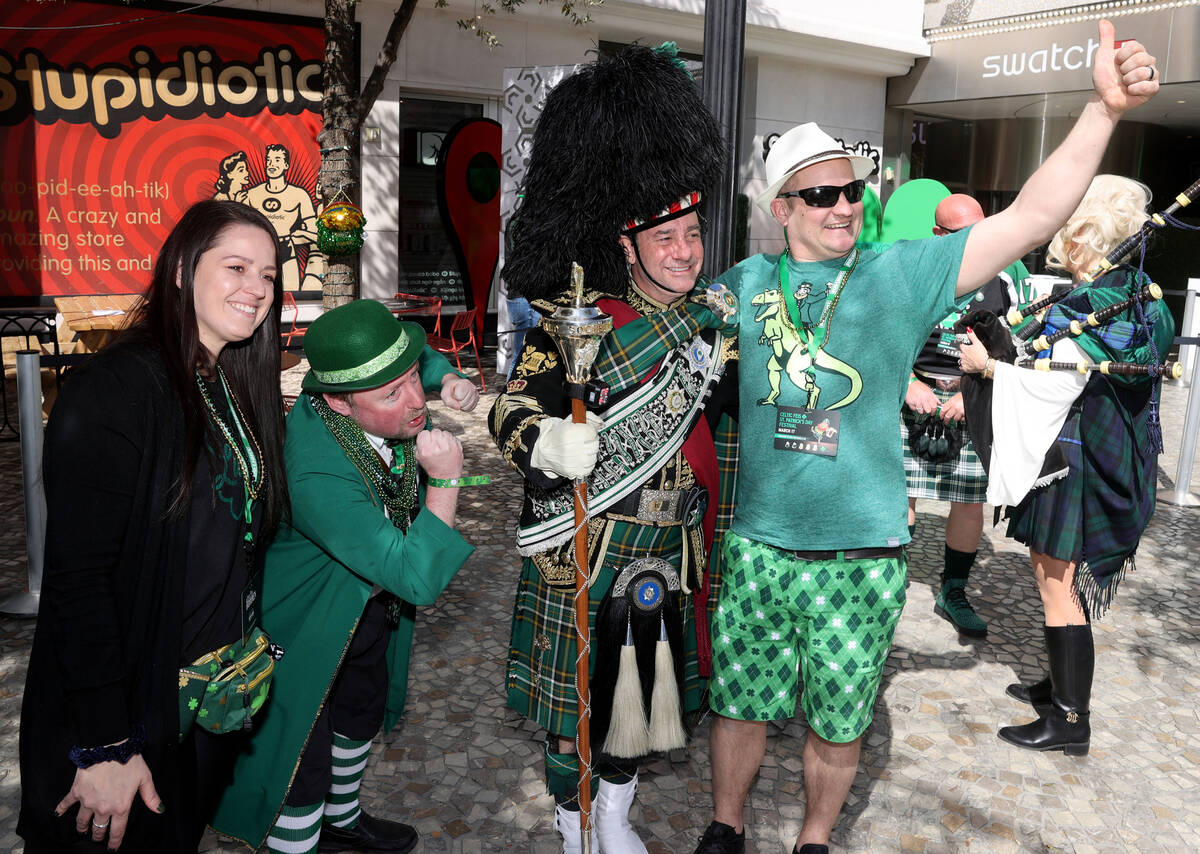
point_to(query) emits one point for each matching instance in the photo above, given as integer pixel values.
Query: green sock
(349, 764)
(562, 777)
(296, 830)
(957, 565)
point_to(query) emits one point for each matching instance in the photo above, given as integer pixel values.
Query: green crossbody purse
(221, 690)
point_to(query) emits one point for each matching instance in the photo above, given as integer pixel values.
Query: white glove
(566, 449)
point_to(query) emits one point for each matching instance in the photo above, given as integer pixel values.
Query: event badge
(807, 431)
(251, 604)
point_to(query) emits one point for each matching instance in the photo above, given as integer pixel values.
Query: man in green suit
(373, 495)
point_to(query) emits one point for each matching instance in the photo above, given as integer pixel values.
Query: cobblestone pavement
(934, 777)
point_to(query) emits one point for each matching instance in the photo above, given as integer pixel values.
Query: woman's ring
(98, 825)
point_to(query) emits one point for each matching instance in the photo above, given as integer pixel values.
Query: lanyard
(815, 335)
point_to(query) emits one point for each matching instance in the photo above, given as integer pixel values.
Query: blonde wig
(1112, 209)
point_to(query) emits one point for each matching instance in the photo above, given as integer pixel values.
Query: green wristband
(455, 482)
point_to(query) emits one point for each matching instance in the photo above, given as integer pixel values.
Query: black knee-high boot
(1065, 727)
(1037, 694)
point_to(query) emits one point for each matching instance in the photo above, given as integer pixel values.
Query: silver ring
(99, 826)
(1151, 77)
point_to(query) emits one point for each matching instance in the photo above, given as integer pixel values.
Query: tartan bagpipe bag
(221, 690)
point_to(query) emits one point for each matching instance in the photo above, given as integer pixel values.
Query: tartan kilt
(1099, 510)
(540, 675)
(962, 479)
(1050, 518)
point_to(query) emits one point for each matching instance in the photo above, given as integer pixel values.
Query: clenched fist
(439, 453)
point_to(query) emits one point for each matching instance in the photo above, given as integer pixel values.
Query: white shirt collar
(380, 444)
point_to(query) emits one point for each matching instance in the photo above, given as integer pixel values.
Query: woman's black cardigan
(106, 648)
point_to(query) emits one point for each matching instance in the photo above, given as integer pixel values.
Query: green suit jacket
(320, 572)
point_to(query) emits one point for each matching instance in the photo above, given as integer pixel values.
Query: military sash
(641, 433)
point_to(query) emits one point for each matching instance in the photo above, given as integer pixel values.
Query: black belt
(847, 554)
(665, 506)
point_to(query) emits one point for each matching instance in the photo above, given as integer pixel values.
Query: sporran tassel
(628, 733)
(666, 727)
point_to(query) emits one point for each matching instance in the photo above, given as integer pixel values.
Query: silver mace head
(577, 330)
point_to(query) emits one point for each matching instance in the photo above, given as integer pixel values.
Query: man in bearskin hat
(622, 155)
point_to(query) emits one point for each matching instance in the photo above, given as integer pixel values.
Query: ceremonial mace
(577, 330)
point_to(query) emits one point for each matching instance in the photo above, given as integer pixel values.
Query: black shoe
(719, 838)
(1065, 726)
(370, 834)
(1036, 695)
(811, 848)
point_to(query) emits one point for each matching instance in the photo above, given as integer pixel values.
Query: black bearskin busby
(620, 139)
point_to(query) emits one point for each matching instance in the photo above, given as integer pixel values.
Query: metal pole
(1187, 450)
(29, 401)
(1187, 352)
(721, 89)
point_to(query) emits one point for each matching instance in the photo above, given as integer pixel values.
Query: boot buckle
(1072, 717)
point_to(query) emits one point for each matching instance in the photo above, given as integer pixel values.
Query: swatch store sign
(1033, 61)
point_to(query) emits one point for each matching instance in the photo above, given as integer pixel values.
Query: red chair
(421, 305)
(464, 322)
(288, 316)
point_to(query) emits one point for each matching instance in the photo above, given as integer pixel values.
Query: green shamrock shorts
(829, 622)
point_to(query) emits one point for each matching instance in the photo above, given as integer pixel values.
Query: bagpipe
(1119, 253)
(1020, 336)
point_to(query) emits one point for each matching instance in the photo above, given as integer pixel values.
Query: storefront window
(427, 264)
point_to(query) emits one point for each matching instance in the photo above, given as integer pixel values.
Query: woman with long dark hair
(164, 480)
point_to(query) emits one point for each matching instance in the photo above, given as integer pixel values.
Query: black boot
(1065, 727)
(1036, 695)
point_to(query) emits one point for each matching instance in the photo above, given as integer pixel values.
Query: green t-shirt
(800, 500)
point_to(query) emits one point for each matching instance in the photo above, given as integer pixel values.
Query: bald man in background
(933, 392)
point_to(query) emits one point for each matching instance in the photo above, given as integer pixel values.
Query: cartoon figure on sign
(824, 430)
(290, 209)
(233, 178)
(789, 350)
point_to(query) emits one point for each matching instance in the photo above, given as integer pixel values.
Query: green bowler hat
(357, 346)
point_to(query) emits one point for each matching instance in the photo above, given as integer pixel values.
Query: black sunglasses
(826, 196)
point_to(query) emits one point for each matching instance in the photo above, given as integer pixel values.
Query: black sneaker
(719, 838)
(370, 834)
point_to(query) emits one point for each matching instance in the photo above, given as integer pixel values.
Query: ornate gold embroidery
(535, 361)
(516, 439)
(557, 566)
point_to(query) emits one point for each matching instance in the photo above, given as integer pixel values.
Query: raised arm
(1123, 78)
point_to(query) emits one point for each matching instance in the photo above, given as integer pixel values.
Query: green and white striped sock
(296, 831)
(349, 763)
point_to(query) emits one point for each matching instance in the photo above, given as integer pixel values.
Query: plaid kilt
(540, 677)
(1097, 513)
(963, 479)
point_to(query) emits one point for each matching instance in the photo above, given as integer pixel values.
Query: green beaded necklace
(399, 493)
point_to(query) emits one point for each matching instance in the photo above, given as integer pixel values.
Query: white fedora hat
(802, 146)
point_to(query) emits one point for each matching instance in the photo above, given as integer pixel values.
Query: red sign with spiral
(115, 118)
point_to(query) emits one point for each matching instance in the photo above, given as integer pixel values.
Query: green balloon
(909, 211)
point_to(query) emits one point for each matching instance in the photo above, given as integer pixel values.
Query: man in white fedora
(813, 571)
